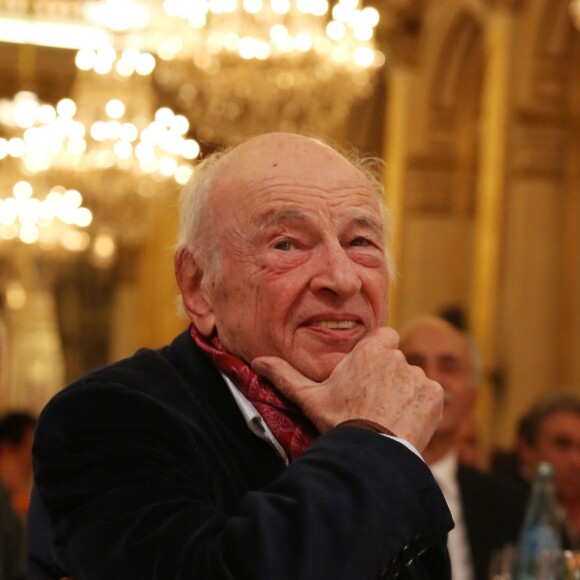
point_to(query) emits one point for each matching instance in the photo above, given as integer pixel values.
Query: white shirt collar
(445, 473)
(254, 420)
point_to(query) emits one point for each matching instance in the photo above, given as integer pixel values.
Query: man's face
(300, 237)
(443, 354)
(558, 443)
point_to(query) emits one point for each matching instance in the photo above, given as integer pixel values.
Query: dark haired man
(550, 431)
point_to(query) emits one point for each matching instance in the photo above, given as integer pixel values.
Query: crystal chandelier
(238, 68)
(106, 143)
(233, 67)
(33, 211)
(51, 220)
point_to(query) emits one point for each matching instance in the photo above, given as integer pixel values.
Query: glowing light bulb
(115, 108)
(22, 190)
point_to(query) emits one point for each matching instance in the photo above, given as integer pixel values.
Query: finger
(385, 335)
(282, 375)
(390, 337)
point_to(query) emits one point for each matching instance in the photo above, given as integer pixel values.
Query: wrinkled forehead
(271, 165)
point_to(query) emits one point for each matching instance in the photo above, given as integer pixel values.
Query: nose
(335, 272)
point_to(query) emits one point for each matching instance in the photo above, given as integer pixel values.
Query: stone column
(568, 366)
(401, 28)
(493, 169)
(396, 143)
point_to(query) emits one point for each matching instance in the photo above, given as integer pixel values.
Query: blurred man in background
(16, 434)
(550, 431)
(487, 512)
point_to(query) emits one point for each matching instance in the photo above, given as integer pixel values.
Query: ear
(189, 273)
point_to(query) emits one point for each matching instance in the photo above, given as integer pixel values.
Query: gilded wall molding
(539, 146)
(433, 186)
(553, 68)
(400, 29)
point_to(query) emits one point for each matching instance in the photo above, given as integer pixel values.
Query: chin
(320, 368)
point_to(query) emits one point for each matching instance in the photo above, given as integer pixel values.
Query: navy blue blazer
(146, 470)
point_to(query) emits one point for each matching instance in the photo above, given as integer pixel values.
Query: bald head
(272, 155)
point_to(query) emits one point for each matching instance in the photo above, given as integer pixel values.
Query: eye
(562, 442)
(360, 242)
(451, 366)
(285, 245)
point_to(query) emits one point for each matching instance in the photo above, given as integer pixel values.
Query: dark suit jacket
(146, 470)
(493, 512)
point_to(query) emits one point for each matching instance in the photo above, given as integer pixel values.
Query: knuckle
(437, 388)
(438, 393)
(397, 357)
(390, 336)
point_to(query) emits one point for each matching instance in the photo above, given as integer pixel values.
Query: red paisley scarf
(288, 424)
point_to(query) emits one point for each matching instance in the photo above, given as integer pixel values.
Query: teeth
(335, 324)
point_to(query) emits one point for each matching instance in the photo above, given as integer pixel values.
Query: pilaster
(491, 194)
(399, 36)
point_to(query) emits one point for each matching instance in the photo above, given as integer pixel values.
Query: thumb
(283, 376)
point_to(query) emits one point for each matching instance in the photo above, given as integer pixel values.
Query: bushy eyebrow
(371, 224)
(274, 217)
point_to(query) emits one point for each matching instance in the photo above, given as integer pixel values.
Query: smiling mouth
(335, 324)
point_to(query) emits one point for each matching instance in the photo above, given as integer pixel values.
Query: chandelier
(53, 219)
(105, 146)
(33, 211)
(235, 68)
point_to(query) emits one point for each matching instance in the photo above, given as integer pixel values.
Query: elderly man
(487, 512)
(273, 439)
